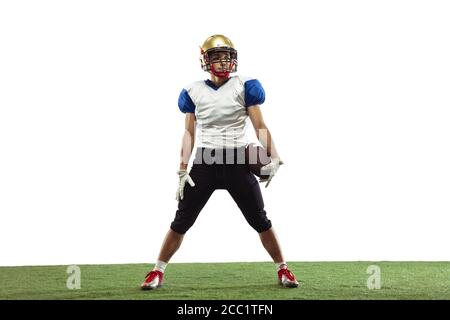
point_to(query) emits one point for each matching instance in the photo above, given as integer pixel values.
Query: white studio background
(357, 101)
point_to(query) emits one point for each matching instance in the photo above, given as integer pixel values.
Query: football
(256, 157)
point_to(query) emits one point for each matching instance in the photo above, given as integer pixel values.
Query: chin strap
(221, 74)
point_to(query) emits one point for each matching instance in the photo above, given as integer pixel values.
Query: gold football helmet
(218, 49)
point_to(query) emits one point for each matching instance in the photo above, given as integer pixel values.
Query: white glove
(184, 176)
(270, 169)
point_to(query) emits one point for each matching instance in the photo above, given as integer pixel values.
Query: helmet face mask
(218, 56)
(223, 58)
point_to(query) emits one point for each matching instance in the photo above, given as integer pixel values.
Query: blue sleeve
(254, 93)
(185, 102)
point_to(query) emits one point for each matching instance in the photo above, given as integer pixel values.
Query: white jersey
(221, 112)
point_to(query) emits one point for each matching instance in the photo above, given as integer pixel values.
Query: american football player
(216, 111)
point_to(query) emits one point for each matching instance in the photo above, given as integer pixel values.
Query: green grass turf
(319, 280)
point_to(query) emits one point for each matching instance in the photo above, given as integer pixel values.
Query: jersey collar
(212, 85)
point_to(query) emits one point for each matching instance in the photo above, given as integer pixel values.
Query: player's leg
(271, 244)
(194, 198)
(189, 208)
(170, 245)
(246, 192)
(244, 189)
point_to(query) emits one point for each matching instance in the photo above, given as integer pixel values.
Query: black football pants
(221, 169)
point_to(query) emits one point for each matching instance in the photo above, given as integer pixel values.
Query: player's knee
(179, 228)
(261, 224)
(182, 225)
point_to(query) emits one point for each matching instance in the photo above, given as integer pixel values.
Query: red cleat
(286, 278)
(153, 280)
